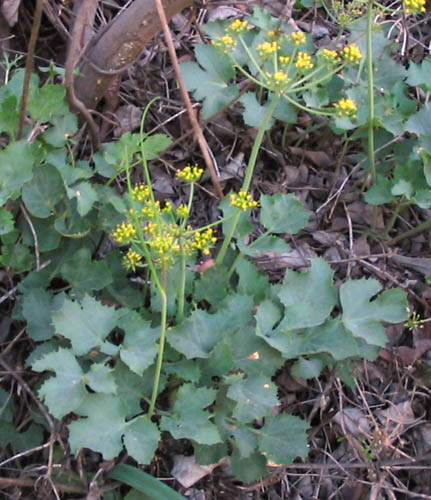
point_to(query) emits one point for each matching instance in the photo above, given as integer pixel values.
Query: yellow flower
(346, 108)
(225, 43)
(298, 38)
(284, 60)
(190, 173)
(204, 240)
(277, 80)
(124, 233)
(141, 192)
(265, 49)
(151, 209)
(303, 61)
(182, 211)
(352, 54)
(243, 200)
(131, 260)
(414, 6)
(238, 27)
(330, 56)
(168, 208)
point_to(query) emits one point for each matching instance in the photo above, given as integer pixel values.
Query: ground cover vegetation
(274, 341)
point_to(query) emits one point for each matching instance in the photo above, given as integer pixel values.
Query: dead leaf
(397, 416)
(129, 118)
(9, 9)
(353, 420)
(187, 472)
(318, 158)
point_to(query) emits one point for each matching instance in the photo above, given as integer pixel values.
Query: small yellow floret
(182, 211)
(204, 240)
(330, 56)
(190, 173)
(265, 49)
(124, 233)
(284, 60)
(414, 6)
(352, 54)
(225, 43)
(243, 200)
(298, 38)
(141, 192)
(238, 27)
(151, 209)
(304, 61)
(346, 108)
(131, 260)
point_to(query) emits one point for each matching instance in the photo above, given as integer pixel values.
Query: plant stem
(370, 74)
(412, 232)
(248, 176)
(182, 288)
(163, 324)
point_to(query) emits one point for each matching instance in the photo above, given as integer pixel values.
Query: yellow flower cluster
(124, 233)
(277, 80)
(204, 241)
(283, 60)
(141, 192)
(330, 56)
(298, 38)
(182, 211)
(151, 209)
(238, 27)
(243, 200)
(414, 6)
(352, 54)
(225, 43)
(346, 108)
(131, 260)
(190, 173)
(266, 49)
(303, 61)
(165, 245)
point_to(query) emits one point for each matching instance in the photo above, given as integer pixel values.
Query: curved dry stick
(118, 45)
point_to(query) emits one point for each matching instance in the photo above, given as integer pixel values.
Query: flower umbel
(303, 61)
(352, 54)
(238, 27)
(141, 192)
(190, 173)
(124, 233)
(131, 260)
(414, 6)
(266, 49)
(204, 240)
(225, 43)
(298, 38)
(330, 56)
(243, 200)
(346, 108)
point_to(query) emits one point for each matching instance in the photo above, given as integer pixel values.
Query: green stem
(248, 176)
(306, 109)
(163, 324)
(412, 232)
(182, 288)
(370, 74)
(240, 255)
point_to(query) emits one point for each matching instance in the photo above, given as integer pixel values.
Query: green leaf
(188, 419)
(85, 324)
(210, 84)
(6, 221)
(266, 244)
(106, 425)
(283, 438)
(251, 281)
(43, 192)
(144, 482)
(16, 168)
(380, 192)
(245, 440)
(426, 159)
(9, 115)
(307, 368)
(419, 74)
(185, 369)
(420, 122)
(20, 441)
(209, 454)
(254, 112)
(219, 363)
(85, 274)
(255, 397)
(155, 144)
(362, 314)
(139, 347)
(63, 127)
(69, 173)
(36, 309)
(285, 112)
(66, 391)
(85, 195)
(100, 379)
(309, 297)
(262, 19)
(47, 102)
(130, 389)
(283, 213)
(248, 469)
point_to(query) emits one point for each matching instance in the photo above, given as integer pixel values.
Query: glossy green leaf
(36, 309)
(6, 221)
(254, 112)
(43, 192)
(16, 168)
(100, 379)
(63, 128)
(48, 101)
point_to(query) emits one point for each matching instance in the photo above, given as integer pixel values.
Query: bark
(118, 45)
